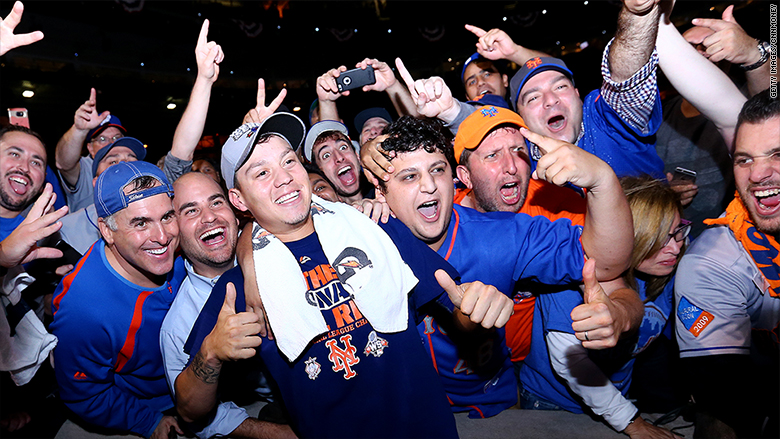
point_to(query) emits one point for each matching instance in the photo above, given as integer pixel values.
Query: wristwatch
(765, 49)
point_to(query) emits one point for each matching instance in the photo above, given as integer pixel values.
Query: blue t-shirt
(8, 225)
(353, 381)
(496, 248)
(553, 313)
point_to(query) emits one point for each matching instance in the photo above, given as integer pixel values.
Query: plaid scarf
(763, 248)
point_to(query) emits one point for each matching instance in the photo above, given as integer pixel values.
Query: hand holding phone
(355, 78)
(18, 116)
(683, 174)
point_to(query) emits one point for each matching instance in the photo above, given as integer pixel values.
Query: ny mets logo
(488, 111)
(312, 368)
(533, 63)
(376, 345)
(343, 359)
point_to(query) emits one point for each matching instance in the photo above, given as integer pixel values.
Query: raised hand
(261, 112)
(20, 246)
(327, 88)
(494, 44)
(385, 77)
(723, 39)
(432, 96)
(483, 304)
(594, 321)
(234, 336)
(208, 55)
(87, 117)
(9, 40)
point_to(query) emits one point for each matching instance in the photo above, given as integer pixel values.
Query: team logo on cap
(247, 129)
(312, 368)
(376, 345)
(533, 63)
(489, 111)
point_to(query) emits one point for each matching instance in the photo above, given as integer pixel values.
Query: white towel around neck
(379, 285)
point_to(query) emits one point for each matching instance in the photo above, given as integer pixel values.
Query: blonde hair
(653, 206)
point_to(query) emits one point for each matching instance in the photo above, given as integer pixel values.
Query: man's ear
(106, 231)
(236, 200)
(577, 90)
(505, 78)
(464, 176)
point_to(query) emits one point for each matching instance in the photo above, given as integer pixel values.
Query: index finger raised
(204, 32)
(405, 75)
(546, 145)
(475, 30)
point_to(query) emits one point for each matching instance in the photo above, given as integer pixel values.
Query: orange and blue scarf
(763, 248)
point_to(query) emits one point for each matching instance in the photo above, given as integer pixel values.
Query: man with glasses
(96, 130)
(727, 289)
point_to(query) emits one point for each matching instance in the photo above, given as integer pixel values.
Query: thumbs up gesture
(594, 321)
(234, 336)
(482, 304)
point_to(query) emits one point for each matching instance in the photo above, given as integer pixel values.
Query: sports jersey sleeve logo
(692, 317)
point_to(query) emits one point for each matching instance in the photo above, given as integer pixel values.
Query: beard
(15, 204)
(490, 200)
(766, 225)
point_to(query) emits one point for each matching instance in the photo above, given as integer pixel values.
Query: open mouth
(18, 184)
(288, 198)
(486, 92)
(556, 123)
(510, 192)
(767, 200)
(214, 236)
(346, 175)
(429, 210)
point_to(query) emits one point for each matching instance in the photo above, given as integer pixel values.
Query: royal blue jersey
(498, 249)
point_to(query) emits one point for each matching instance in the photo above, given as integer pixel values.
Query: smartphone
(355, 78)
(18, 116)
(684, 174)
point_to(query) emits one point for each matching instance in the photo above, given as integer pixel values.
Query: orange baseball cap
(480, 123)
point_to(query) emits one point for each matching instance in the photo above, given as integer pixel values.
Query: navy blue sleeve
(424, 262)
(210, 312)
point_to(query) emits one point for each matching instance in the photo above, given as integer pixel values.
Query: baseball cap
(240, 144)
(479, 123)
(319, 128)
(466, 63)
(134, 144)
(371, 113)
(109, 121)
(110, 197)
(532, 67)
(490, 99)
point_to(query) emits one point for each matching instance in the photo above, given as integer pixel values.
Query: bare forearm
(608, 235)
(630, 310)
(634, 43)
(190, 128)
(402, 100)
(695, 78)
(68, 152)
(523, 54)
(328, 110)
(196, 388)
(253, 428)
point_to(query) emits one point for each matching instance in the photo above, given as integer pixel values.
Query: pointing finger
(204, 33)
(475, 30)
(260, 93)
(406, 76)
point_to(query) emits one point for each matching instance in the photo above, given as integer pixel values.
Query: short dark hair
(408, 134)
(757, 109)
(21, 129)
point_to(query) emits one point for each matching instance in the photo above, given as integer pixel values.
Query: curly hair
(408, 134)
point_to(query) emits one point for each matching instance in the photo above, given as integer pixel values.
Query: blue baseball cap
(134, 144)
(533, 67)
(110, 197)
(109, 121)
(466, 63)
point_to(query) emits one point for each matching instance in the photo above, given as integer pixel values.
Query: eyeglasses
(103, 139)
(680, 233)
